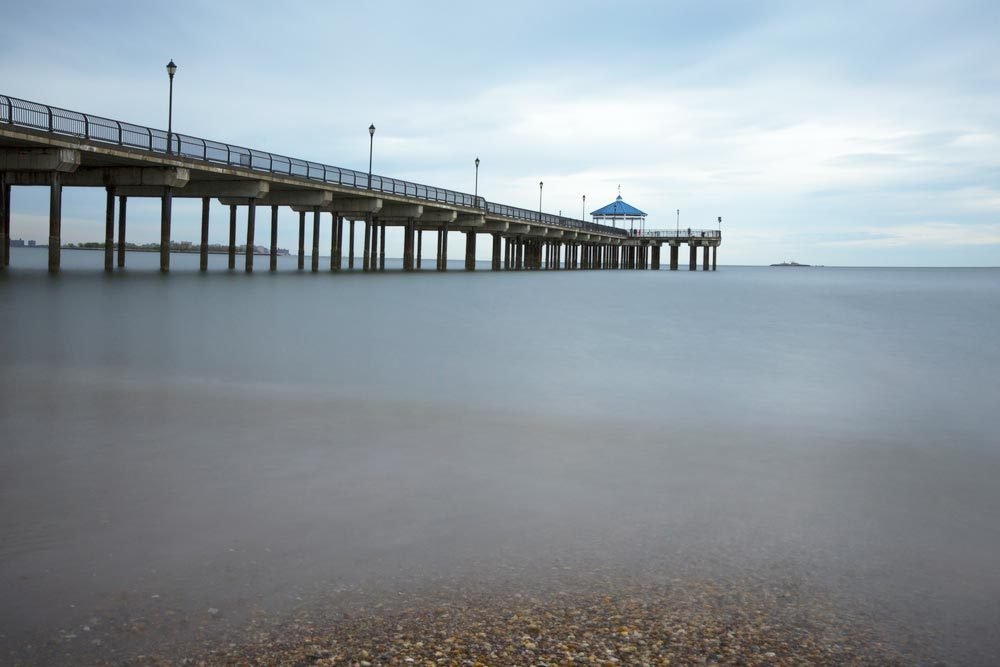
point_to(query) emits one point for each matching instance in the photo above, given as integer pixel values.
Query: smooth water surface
(228, 441)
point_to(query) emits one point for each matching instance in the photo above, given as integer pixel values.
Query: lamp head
(371, 130)
(171, 68)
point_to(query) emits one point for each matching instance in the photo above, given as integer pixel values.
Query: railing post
(49, 109)
(204, 150)
(120, 138)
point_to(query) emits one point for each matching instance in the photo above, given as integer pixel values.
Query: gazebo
(621, 211)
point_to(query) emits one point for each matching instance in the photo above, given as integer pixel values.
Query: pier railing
(677, 234)
(35, 116)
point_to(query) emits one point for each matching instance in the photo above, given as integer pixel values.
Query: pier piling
(166, 204)
(273, 263)
(122, 205)
(251, 223)
(232, 236)
(203, 248)
(55, 221)
(301, 264)
(109, 229)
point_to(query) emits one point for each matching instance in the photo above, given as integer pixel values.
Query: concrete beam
(393, 210)
(39, 159)
(303, 199)
(555, 234)
(495, 226)
(173, 177)
(516, 228)
(347, 206)
(219, 189)
(438, 216)
(470, 220)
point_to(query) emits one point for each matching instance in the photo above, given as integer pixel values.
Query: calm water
(255, 442)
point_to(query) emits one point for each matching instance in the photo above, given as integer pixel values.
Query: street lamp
(678, 223)
(720, 226)
(171, 69)
(371, 144)
(540, 184)
(583, 209)
(477, 182)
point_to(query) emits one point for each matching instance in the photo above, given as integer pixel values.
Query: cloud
(931, 234)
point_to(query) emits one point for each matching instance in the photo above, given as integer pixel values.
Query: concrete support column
(420, 247)
(495, 257)
(122, 205)
(444, 248)
(674, 252)
(656, 258)
(334, 241)
(373, 260)
(232, 236)
(273, 263)
(166, 205)
(381, 247)
(693, 262)
(4, 222)
(314, 264)
(704, 258)
(350, 249)
(408, 245)
(470, 250)
(715, 252)
(109, 230)
(251, 223)
(506, 254)
(55, 221)
(203, 247)
(366, 253)
(302, 241)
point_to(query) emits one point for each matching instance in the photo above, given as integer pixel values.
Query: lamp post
(540, 184)
(371, 144)
(477, 182)
(678, 222)
(583, 209)
(720, 226)
(171, 70)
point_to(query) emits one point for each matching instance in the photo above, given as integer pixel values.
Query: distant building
(17, 243)
(619, 211)
(31, 243)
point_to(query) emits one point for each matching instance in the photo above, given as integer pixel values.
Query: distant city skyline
(849, 135)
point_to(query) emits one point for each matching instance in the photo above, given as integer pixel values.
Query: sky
(851, 134)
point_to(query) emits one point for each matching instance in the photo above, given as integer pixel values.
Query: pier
(44, 146)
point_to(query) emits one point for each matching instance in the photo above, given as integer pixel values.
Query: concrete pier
(301, 264)
(42, 146)
(336, 241)
(109, 229)
(470, 251)
(203, 248)
(314, 260)
(366, 253)
(4, 222)
(381, 247)
(350, 249)
(273, 263)
(166, 207)
(122, 207)
(55, 221)
(232, 236)
(251, 224)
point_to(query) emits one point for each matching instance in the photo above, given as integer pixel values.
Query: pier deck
(45, 146)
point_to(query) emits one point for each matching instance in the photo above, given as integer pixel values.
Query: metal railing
(677, 234)
(35, 116)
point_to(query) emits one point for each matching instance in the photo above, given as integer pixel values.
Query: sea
(182, 454)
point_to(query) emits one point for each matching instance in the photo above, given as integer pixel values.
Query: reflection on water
(245, 443)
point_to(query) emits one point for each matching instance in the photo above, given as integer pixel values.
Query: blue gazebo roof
(619, 207)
